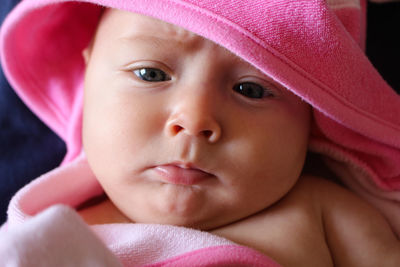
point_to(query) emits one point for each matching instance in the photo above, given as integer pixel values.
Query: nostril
(176, 129)
(207, 133)
(209, 130)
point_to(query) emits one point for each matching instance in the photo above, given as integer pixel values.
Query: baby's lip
(182, 173)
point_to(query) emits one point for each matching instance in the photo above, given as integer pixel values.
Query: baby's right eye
(151, 75)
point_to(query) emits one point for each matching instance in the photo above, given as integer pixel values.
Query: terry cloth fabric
(313, 47)
(38, 241)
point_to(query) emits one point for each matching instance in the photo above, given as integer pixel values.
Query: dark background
(28, 148)
(383, 42)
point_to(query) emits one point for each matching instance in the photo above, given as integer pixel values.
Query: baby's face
(180, 131)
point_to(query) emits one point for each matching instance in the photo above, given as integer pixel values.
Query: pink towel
(313, 47)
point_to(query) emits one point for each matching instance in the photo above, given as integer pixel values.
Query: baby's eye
(251, 90)
(151, 75)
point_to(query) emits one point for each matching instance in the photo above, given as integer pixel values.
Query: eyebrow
(154, 40)
(163, 39)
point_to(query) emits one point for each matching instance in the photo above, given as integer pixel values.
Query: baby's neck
(102, 211)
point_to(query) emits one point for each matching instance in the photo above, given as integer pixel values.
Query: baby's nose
(195, 118)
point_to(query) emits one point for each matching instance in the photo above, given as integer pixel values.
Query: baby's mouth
(182, 174)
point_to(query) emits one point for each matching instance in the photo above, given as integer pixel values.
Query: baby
(180, 131)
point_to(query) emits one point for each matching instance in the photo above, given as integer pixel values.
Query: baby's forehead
(133, 29)
(133, 26)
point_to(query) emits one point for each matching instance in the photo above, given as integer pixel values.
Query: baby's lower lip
(176, 175)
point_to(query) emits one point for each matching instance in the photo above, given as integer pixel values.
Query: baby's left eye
(251, 90)
(151, 75)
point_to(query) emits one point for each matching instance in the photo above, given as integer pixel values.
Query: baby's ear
(86, 54)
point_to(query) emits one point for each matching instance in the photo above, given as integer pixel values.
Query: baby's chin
(194, 219)
(205, 224)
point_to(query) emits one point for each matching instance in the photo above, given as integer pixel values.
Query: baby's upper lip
(184, 165)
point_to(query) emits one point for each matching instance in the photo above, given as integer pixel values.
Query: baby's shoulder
(324, 220)
(356, 233)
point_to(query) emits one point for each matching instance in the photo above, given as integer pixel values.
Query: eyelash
(153, 75)
(156, 75)
(244, 88)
